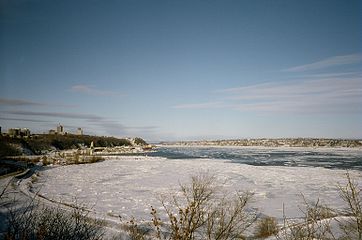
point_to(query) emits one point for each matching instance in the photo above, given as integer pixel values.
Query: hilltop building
(14, 132)
(52, 131)
(60, 129)
(17, 132)
(79, 131)
(25, 132)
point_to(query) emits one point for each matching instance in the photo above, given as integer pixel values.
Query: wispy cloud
(23, 120)
(112, 127)
(109, 126)
(91, 90)
(143, 128)
(95, 122)
(346, 87)
(329, 75)
(338, 94)
(19, 102)
(206, 105)
(326, 63)
(332, 93)
(55, 114)
(22, 102)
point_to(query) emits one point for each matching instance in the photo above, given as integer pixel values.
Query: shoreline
(255, 147)
(273, 142)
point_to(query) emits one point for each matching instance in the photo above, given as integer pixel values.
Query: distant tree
(140, 141)
(7, 150)
(101, 143)
(58, 144)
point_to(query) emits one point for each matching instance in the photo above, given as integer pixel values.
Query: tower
(60, 129)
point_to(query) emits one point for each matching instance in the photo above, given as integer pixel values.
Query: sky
(183, 70)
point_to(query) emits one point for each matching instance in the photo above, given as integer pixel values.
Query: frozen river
(337, 158)
(127, 186)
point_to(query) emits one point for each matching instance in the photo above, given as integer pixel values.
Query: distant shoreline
(263, 147)
(271, 143)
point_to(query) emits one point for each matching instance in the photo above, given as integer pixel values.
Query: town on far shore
(272, 142)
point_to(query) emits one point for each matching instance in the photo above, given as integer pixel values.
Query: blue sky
(171, 70)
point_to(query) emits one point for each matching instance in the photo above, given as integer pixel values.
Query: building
(17, 132)
(79, 131)
(25, 132)
(52, 131)
(60, 129)
(14, 132)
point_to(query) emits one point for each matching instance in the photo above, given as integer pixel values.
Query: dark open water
(300, 157)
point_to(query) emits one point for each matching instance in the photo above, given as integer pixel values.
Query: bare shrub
(34, 222)
(136, 232)
(228, 219)
(352, 195)
(318, 212)
(315, 224)
(200, 213)
(266, 227)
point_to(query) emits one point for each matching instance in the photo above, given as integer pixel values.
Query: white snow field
(129, 185)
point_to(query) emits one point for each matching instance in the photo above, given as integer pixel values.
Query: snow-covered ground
(128, 186)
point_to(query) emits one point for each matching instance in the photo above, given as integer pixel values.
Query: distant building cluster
(25, 132)
(18, 132)
(60, 130)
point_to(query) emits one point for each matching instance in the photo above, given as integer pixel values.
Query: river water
(332, 158)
